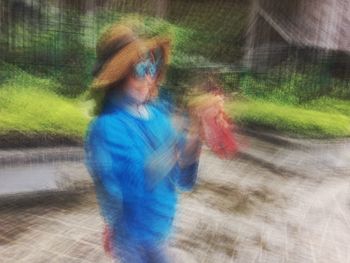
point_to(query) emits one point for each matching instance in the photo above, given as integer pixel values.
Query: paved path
(240, 212)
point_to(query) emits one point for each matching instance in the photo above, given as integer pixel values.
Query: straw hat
(118, 50)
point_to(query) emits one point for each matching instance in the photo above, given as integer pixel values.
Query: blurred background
(287, 57)
(285, 68)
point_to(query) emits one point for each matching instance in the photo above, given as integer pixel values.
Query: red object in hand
(216, 127)
(218, 135)
(106, 239)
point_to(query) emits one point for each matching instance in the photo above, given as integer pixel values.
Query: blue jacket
(137, 200)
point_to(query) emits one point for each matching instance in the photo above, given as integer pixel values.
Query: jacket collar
(116, 102)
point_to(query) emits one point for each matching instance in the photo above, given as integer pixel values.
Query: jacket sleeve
(113, 166)
(185, 177)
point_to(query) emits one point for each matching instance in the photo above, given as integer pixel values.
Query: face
(141, 83)
(140, 89)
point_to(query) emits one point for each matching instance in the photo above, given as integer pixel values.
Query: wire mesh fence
(57, 38)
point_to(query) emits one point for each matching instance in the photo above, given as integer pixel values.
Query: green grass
(14, 76)
(307, 104)
(330, 105)
(31, 105)
(320, 119)
(30, 110)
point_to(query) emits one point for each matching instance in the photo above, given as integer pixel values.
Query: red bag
(218, 135)
(216, 126)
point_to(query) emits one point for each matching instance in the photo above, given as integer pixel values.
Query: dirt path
(243, 213)
(239, 212)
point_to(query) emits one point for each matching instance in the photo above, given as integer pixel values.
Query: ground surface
(239, 212)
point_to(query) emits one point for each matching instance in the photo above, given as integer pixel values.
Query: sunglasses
(150, 65)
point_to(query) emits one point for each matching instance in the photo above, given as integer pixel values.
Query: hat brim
(119, 65)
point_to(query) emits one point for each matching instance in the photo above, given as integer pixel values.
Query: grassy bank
(323, 118)
(34, 116)
(31, 107)
(29, 111)
(36, 111)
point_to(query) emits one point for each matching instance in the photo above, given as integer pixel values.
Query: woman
(136, 157)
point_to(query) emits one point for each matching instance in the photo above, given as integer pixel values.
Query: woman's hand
(204, 109)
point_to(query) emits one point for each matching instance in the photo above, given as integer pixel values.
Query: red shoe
(106, 240)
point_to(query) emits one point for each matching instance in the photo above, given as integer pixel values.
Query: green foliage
(293, 86)
(30, 104)
(32, 110)
(13, 76)
(57, 50)
(218, 29)
(309, 122)
(340, 88)
(331, 105)
(74, 77)
(230, 81)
